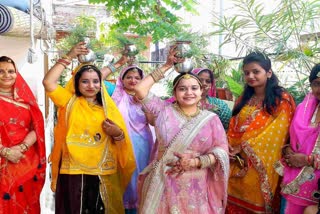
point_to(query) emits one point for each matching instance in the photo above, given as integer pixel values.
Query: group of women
(206, 159)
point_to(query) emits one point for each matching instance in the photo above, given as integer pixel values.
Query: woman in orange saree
(258, 129)
(22, 147)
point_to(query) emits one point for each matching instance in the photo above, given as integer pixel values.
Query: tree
(148, 17)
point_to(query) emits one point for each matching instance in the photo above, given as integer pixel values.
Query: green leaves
(147, 17)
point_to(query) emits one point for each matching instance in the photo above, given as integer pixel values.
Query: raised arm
(143, 87)
(112, 67)
(50, 81)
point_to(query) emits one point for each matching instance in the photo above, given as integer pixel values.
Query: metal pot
(131, 50)
(185, 66)
(90, 57)
(183, 49)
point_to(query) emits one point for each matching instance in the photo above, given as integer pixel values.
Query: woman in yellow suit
(92, 158)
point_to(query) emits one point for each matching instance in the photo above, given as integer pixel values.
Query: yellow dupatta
(113, 184)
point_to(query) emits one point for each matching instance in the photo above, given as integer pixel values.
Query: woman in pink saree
(300, 165)
(191, 168)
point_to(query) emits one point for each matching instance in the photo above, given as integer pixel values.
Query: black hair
(313, 74)
(9, 60)
(273, 92)
(77, 79)
(208, 72)
(138, 69)
(179, 77)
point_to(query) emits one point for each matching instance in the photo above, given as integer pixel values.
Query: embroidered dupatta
(299, 184)
(261, 137)
(113, 183)
(155, 176)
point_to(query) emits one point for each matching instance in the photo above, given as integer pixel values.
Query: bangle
(66, 57)
(205, 161)
(157, 75)
(24, 147)
(60, 63)
(7, 152)
(112, 67)
(66, 62)
(120, 137)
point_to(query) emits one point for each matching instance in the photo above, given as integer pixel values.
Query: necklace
(188, 116)
(255, 101)
(5, 93)
(132, 93)
(92, 104)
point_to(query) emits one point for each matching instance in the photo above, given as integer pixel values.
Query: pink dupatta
(300, 183)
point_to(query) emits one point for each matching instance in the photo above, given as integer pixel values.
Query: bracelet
(120, 137)
(24, 147)
(7, 152)
(157, 75)
(66, 57)
(205, 161)
(60, 63)
(112, 67)
(66, 62)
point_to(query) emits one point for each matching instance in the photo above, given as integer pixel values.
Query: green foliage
(117, 39)
(147, 17)
(84, 26)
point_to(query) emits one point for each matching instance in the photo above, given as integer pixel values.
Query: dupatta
(23, 171)
(155, 172)
(123, 150)
(261, 137)
(299, 183)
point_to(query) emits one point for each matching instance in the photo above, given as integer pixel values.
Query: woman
(301, 163)
(257, 131)
(191, 168)
(137, 118)
(22, 147)
(208, 100)
(92, 158)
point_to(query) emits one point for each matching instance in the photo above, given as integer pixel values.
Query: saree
(261, 137)
(195, 191)
(139, 132)
(299, 184)
(82, 147)
(21, 183)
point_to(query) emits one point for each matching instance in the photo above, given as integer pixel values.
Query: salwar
(78, 194)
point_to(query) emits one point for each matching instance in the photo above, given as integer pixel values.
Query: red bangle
(64, 61)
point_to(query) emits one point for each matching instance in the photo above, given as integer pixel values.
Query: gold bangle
(120, 137)
(205, 161)
(66, 57)
(7, 153)
(24, 147)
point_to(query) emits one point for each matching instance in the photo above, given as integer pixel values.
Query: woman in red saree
(22, 147)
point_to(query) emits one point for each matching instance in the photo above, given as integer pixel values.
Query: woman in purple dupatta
(301, 163)
(136, 117)
(191, 167)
